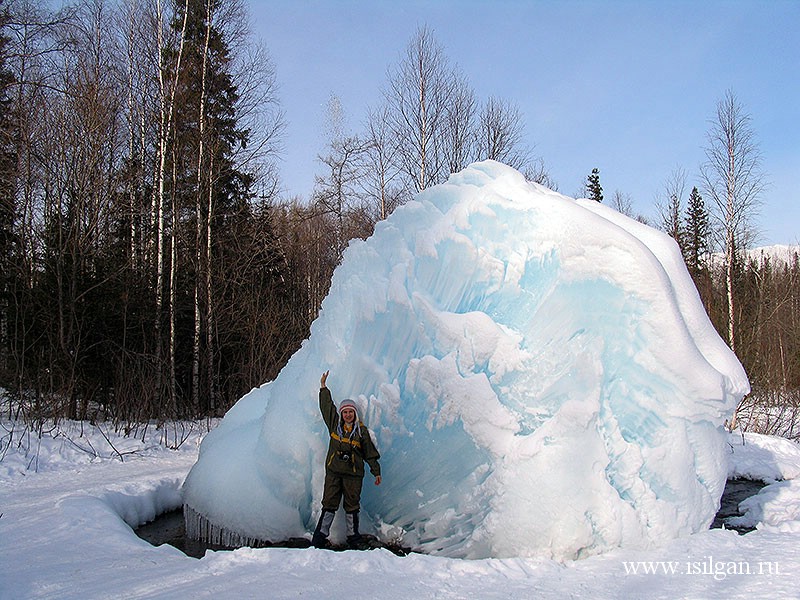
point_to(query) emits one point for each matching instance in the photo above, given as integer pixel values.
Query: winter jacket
(347, 452)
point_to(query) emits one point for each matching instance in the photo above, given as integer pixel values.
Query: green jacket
(347, 454)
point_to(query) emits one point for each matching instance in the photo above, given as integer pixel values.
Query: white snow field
(539, 372)
(65, 533)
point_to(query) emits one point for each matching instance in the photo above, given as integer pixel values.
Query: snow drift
(539, 373)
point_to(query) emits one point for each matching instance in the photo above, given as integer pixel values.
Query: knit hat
(347, 403)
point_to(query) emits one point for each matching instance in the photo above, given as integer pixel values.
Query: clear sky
(625, 86)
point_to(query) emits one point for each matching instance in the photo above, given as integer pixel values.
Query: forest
(151, 268)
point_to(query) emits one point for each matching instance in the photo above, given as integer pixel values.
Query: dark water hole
(736, 490)
(168, 528)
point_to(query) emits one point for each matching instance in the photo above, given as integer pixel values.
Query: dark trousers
(337, 486)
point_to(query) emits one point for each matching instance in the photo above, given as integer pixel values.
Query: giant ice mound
(539, 373)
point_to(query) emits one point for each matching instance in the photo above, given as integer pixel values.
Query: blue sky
(625, 86)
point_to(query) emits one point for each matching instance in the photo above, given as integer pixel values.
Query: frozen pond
(169, 527)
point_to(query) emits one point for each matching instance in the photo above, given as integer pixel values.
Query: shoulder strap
(353, 442)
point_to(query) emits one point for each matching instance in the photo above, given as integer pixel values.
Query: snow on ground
(65, 532)
(763, 457)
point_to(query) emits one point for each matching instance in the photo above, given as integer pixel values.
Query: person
(350, 446)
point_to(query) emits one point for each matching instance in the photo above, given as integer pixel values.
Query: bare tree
(438, 127)
(140, 56)
(537, 172)
(337, 192)
(622, 203)
(167, 87)
(769, 344)
(733, 179)
(380, 171)
(258, 107)
(417, 95)
(458, 138)
(501, 135)
(79, 157)
(8, 208)
(669, 204)
(202, 165)
(229, 85)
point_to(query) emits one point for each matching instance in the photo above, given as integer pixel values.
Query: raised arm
(326, 405)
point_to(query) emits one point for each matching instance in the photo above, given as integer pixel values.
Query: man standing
(349, 448)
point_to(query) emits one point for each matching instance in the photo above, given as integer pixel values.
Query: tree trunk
(198, 216)
(210, 322)
(167, 107)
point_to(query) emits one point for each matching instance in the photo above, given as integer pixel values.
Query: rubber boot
(323, 530)
(353, 536)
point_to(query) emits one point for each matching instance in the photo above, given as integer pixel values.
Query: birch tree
(670, 205)
(167, 86)
(418, 92)
(733, 180)
(199, 201)
(622, 203)
(336, 192)
(380, 171)
(501, 134)
(459, 131)
(8, 208)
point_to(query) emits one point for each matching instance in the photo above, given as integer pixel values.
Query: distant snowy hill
(778, 253)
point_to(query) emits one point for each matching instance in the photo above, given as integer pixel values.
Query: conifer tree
(210, 184)
(593, 187)
(695, 233)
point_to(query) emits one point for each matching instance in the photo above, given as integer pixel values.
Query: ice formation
(539, 373)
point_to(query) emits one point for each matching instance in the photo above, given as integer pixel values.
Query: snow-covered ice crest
(538, 371)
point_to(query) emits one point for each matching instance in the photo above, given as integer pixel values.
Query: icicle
(200, 528)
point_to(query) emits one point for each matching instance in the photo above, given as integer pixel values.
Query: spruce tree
(695, 233)
(593, 187)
